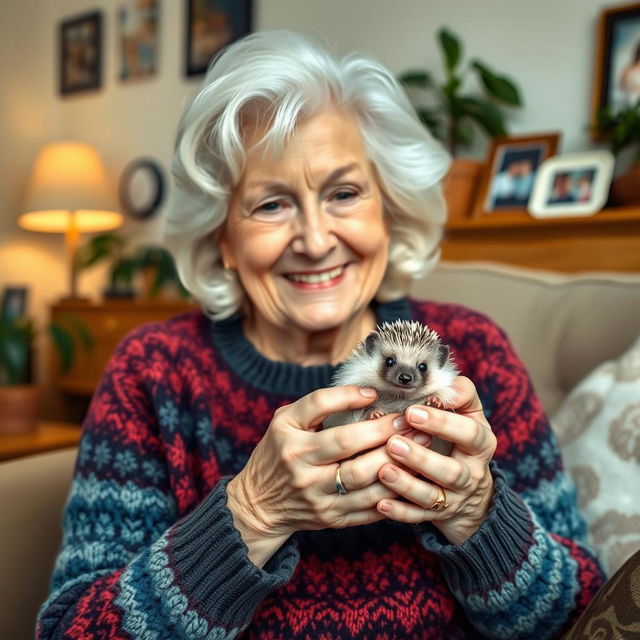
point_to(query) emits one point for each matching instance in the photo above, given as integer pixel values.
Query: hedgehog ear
(370, 343)
(443, 354)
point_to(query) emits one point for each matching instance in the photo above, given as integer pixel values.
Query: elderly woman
(205, 502)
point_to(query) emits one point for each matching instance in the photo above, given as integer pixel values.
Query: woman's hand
(464, 474)
(289, 481)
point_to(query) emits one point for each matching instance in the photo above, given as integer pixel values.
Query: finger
(416, 490)
(340, 443)
(312, 409)
(362, 470)
(468, 434)
(467, 400)
(442, 470)
(406, 512)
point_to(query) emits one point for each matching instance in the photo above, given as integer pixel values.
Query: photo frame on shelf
(80, 44)
(617, 64)
(138, 42)
(211, 25)
(14, 303)
(509, 175)
(572, 185)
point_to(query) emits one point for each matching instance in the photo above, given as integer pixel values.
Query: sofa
(563, 327)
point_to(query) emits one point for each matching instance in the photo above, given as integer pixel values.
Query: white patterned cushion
(598, 428)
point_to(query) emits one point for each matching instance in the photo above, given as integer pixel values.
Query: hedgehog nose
(405, 378)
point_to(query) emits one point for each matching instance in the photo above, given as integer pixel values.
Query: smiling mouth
(318, 277)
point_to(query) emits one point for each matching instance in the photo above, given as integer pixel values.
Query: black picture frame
(14, 303)
(618, 46)
(136, 205)
(80, 60)
(210, 26)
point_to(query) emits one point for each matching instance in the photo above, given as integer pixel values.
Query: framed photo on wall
(572, 184)
(81, 53)
(510, 172)
(617, 66)
(211, 25)
(14, 303)
(138, 39)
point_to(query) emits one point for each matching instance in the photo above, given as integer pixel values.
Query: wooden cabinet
(606, 241)
(108, 322)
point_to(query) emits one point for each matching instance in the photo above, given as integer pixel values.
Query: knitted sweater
(149, 548)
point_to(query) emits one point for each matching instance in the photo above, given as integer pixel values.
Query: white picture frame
(572, 184)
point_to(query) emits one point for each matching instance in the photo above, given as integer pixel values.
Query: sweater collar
(284, 378)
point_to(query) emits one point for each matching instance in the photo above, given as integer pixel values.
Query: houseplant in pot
(454, 115)
(20, 399)
(151, 264)
(622, 129)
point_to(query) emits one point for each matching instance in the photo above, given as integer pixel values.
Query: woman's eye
(269, 207)
(343, 195)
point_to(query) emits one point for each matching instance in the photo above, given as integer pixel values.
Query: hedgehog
(406, 363)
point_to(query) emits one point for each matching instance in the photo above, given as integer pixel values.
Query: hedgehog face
(403, 375)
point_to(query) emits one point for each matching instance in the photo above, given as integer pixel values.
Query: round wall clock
(141, 188)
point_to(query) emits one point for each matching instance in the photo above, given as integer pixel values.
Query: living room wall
(548, 47)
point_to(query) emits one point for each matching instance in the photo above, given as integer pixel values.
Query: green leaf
(499, 87)
(122, 272)
(15, 345)
(485, 114)
(64, 344)
(451, 48)
(78, 329)
(418, 79)
(429, 117)
(99, 248)
(463, 133)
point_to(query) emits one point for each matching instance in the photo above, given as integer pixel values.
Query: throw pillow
(598, 429)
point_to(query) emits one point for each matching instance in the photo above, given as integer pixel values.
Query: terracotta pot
(460, 187)
(19, 408)
(625, 189)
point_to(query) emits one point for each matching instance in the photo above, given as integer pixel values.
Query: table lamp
(69, 192)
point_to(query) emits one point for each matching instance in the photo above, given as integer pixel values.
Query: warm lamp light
(69, 192)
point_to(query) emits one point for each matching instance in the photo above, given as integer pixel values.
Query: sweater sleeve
(527, 572)
(129, 565)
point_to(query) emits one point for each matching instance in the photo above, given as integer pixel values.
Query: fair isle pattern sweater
(150, 551)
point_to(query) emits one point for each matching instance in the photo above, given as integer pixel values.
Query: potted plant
(152, 263)
(453, 115)
(20, 399)
(622, 128)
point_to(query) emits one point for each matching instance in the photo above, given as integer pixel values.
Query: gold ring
(341, 489)
(441, 501)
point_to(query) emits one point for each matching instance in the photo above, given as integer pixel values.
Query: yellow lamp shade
(69, 187)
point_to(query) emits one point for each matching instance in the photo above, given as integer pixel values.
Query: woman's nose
(314, 236)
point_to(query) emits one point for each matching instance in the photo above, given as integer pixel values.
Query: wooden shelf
(606, 241)
(47, 437)
(108, 322)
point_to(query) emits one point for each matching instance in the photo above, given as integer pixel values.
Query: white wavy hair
(284, 77)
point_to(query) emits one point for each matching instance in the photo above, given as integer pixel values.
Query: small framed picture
(617, 67)
(81, 53)
(211, 25)
(572, 184)
(510, 172)
(14, 303)
(138, 39)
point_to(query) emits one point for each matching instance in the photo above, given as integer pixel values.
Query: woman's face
(306, 231)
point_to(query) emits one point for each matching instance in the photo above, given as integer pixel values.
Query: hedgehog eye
(422, 367)
(389, 362)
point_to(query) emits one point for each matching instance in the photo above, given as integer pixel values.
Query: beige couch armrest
(33, 491)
